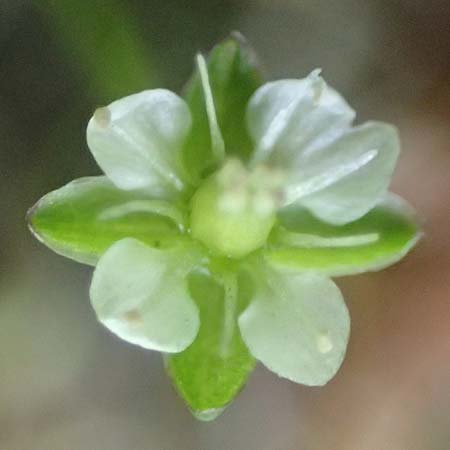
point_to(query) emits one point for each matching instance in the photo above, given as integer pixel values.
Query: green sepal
(208, 374)
(85, 217)
(234, 77)
(380, 238)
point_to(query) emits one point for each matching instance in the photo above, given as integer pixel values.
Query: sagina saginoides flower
(222, 216)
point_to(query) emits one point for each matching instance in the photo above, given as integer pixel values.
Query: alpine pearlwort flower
(221, 218)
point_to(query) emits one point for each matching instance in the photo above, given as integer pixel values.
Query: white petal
(343, 181)
(302, 126)
(141, 295)
(287, 117)
(136, 140)
(297, 326)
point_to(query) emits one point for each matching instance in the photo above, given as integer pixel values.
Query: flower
(221, 218)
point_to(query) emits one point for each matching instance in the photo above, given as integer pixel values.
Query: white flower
(305, 152)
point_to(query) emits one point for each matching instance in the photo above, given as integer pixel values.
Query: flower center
(233, 211)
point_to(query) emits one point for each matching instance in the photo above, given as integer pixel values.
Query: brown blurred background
(65, 382)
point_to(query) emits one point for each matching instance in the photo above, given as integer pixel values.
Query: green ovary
(227, 221)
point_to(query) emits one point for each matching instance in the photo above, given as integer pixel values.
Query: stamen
(233, 174)
(318, 84)
(257, 189)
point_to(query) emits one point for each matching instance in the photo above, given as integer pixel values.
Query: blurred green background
(65, 382)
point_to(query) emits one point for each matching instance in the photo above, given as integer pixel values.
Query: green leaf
(233, 77)
(85, 217)
(380, 238)
(212, 371)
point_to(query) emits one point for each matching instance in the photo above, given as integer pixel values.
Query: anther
(133, 317)
(318, 84)
(324, 343)
(102, 117)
